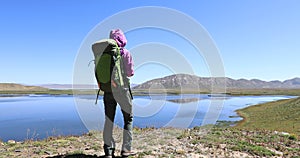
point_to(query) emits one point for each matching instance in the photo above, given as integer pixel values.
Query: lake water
(40, 116)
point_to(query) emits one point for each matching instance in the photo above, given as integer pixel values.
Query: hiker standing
(116, 93)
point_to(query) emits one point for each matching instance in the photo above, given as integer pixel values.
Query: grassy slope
(283, 115)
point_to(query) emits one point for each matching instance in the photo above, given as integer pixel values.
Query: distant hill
(185, 81)
(68, 86)
(19, 87)
(71, 86)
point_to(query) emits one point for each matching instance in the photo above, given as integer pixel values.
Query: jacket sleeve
(128, 63)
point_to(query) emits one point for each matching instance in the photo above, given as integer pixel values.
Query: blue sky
(256, 39)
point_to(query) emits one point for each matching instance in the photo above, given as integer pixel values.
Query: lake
(41, 116)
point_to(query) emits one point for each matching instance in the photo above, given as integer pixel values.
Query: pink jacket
(120, 38)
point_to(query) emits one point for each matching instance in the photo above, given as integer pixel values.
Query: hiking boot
(109, 151)
(127, 153)
(109, 156)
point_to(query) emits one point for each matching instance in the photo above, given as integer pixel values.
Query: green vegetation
(207, 141)
(48, 91)
(259, 143)
(294, 92)
(282, 115)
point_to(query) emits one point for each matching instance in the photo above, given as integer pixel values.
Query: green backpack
(108, 65)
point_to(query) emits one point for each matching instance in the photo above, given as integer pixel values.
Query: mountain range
(20, 87)
(177, 81)
(185, 81)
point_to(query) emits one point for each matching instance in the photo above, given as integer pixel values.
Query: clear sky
(39, 40)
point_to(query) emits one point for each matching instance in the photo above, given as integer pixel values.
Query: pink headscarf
(119, 37)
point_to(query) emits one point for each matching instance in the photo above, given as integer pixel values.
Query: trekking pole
(97, 96)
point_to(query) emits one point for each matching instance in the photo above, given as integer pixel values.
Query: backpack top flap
(105, 45)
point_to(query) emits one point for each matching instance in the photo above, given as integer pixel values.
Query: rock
(192, 155)
(222, 146)
(282, 133)
(11, 142)
(179, 151)
(18, 150)
(285, 133)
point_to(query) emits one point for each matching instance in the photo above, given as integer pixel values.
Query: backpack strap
(97, 96)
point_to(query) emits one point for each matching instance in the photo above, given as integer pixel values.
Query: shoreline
(272, 115)
(232, 92)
